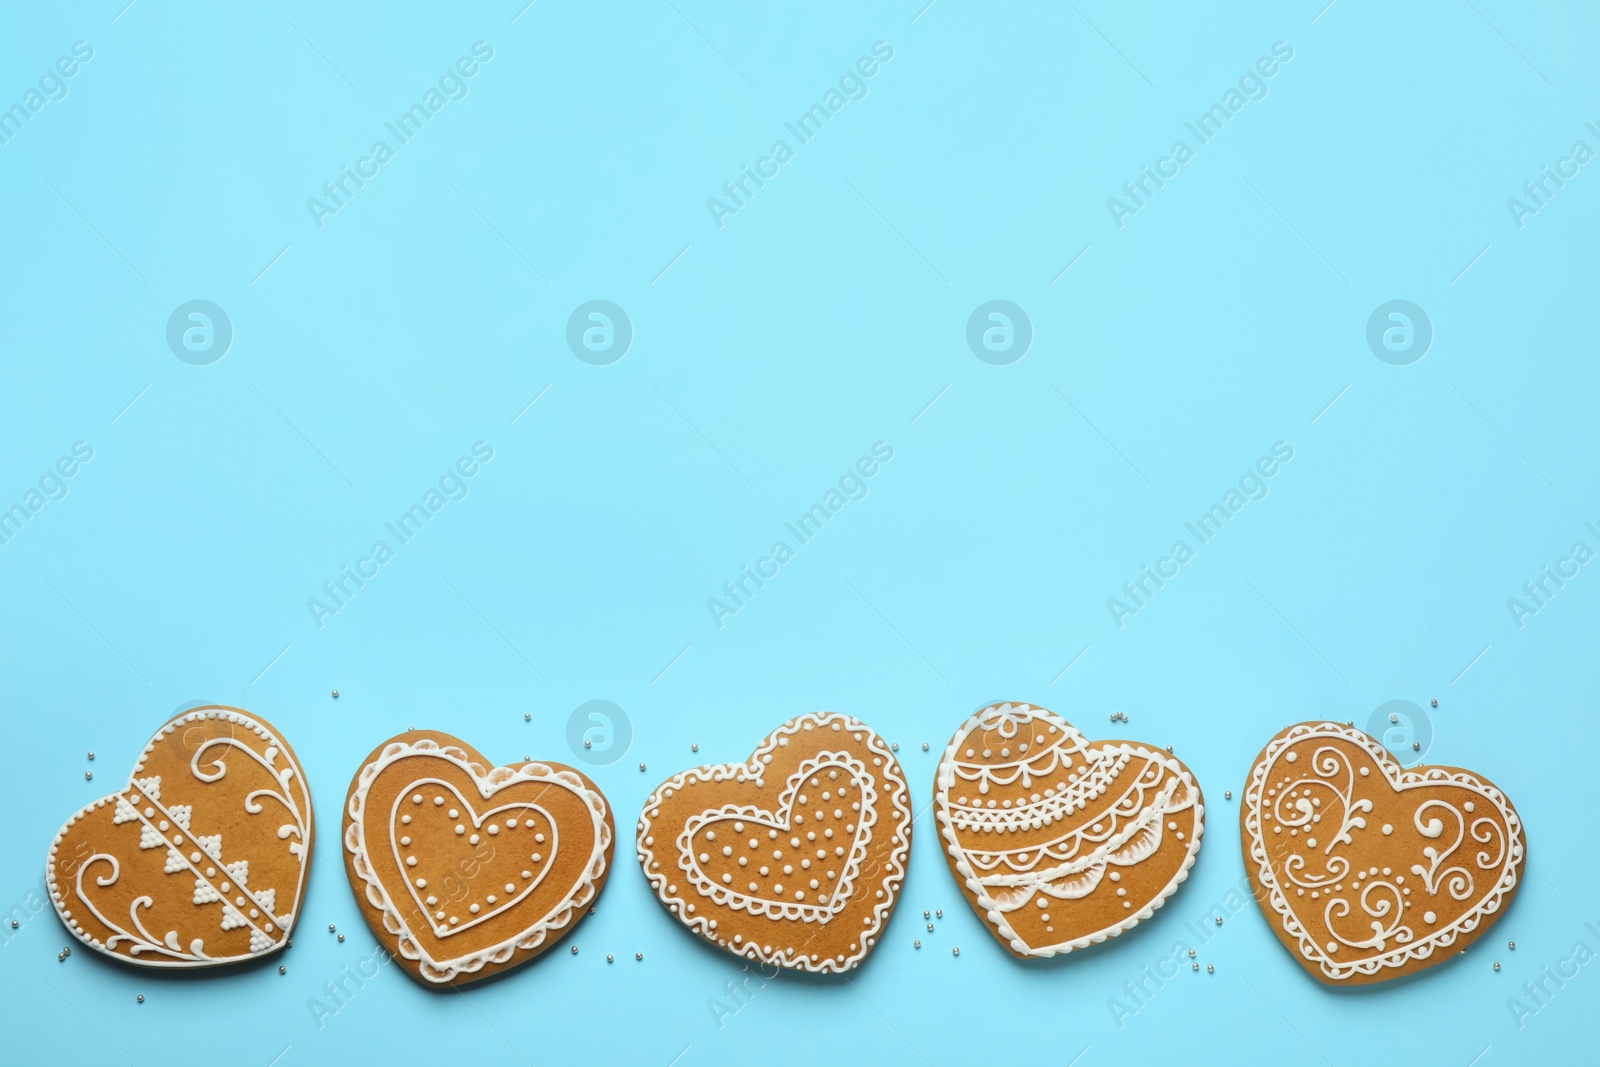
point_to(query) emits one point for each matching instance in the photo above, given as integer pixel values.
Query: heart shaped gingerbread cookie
(794, 858)
(1366, 871)
(201, 859)
(464, 871)
(1059, 842)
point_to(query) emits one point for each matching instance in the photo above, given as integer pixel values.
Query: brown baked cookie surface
(1367, 871)
(794, 858)
(201, 859)
(464, 870)
(1058, 842)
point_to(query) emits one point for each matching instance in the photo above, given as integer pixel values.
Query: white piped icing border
(489, 783)
(1077, 743)
(1400, 780)
(888, 775)
(167, 952)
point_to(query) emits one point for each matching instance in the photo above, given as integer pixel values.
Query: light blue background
(825, 316)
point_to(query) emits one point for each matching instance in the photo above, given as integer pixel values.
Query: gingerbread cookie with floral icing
(1058, 842)
(464, 870)
(1367, 871)
(201, 858)
(793, 858)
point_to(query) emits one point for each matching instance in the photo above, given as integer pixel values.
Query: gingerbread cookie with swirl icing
(464, 870)
(794, 857)
(1366, 871)
(1058, 842)
(200, 859)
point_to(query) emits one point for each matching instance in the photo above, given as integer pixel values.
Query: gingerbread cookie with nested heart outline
(1367, 871)
(1059, 842)
(463, 870)
(201, 859)
(794, 858)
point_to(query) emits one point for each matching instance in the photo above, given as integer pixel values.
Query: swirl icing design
(1058, 842)
(200, 860)
(1369, 871)
(794, 858)
(464, 871)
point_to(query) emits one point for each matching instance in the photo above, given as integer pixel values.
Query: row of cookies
(794, 857)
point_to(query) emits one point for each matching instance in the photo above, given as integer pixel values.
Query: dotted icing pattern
(809, 861)
(165, 824)
(1386, 901)
(1032, 813)
(571, 906)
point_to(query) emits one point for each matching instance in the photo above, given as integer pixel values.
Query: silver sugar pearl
(336, 694)
(1509, 944)
(1191, 954)
(1194, 966)
(1416, 746)
(1227, 794)
(638, 955)
(526, 717)
(139, 998)
(930, 928)
(341, 938)
(574, 950)
(330, 928)
(894, 746)
(1219, 920)
(924, 746)
(916, 944)
(955, 952)
(87, 775)
(641, 766)
(1211, 968)
(586, 742)
(1433, 703)
(938, 913)
(1497, 965)
(13, 924)
(694, 746)
(91, 757)
(927, 914)
(282, 969)
(610, 958)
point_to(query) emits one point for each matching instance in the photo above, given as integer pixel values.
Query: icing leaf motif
(211, 846)
(124, 812)
(240, 871)
(175, 862)
(181, 814)
(151, 786)
(205, 892)
(231, 918)
(150, 837)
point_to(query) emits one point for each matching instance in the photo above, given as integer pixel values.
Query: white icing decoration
(572, 905)
(1133, 788)
(1380, 931)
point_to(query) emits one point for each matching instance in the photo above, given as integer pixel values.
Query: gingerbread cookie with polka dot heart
(201, 858)
(464, 870)
(793, 858)
(1058, 842)
(1367, 871)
